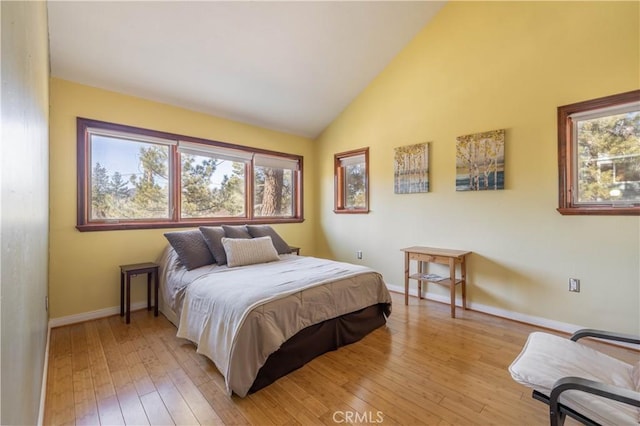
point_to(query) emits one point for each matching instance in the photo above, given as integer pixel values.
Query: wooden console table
(425, 255)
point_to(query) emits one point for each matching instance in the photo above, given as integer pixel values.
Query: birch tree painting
(480, 161)
(411, 169)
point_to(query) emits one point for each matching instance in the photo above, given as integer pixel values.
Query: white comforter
(239, 316)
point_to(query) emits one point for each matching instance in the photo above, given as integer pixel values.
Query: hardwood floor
(422, 368)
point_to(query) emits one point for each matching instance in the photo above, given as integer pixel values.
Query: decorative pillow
(212, 237)
(267, 231)
(238, 231)
(190, 247)
(635, 377)
(243, 251)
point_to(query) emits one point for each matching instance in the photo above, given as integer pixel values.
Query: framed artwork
(480, 161)
(411, 169)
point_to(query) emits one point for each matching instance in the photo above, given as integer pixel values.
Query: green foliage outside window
(131, 178)
(273, 192)
(143, 196)
(202, 196)
(609, 158)
(355, 189)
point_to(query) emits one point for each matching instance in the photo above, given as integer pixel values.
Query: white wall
(24, 208)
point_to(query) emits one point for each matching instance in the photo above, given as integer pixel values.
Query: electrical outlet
(574, 285)
(359, 254)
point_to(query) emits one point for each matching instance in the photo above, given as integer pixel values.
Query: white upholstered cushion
(248, 251)
(547, 358)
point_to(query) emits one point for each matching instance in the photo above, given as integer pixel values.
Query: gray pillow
(191, 248)
(212, 237)
(267, 231)
(238, 231)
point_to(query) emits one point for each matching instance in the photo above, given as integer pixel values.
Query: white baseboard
(87, 316)
(503, 313)
(516, 316)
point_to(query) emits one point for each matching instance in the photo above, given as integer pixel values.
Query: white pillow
(245, 251)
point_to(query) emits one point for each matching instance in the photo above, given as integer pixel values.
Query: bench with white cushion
(579, 381)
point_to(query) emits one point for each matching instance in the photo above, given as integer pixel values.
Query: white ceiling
(288, 66)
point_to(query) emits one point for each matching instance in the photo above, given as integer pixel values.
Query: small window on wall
(352, 181)
(599, 156)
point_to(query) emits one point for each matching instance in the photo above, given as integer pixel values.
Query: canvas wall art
(411, 169)
(480, 161)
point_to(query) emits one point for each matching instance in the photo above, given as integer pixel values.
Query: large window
(352, 181)
(599, 156)
(137, 178)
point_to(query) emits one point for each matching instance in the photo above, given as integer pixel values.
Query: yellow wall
(481, 66)
(84, 273)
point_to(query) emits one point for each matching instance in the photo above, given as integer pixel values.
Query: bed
(259, 322)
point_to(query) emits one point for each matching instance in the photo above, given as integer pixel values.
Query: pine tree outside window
(131, 190)
(351, 175)
(213, 181)
(599, 156)
(132, 178)
(274, 186)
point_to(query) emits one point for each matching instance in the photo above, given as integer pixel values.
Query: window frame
(84, 222)
(338, 180)
(567, 157)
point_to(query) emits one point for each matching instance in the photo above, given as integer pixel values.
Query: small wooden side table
(425, 255)
(128, 271)
(295, 250)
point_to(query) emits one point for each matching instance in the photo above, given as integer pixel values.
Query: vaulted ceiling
(287, 66)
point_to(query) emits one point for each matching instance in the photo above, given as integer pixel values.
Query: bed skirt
(318, 339)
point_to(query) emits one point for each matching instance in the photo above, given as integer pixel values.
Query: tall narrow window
(599, 156)
(352, 181)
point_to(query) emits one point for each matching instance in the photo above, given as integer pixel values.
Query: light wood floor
(422, 368)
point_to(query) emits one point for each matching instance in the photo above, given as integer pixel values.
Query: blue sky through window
(123, 156)
(119, 155)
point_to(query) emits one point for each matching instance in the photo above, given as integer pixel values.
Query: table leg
(463, 274)
(421, 270)
(156, 285)
(128, 285)
(452, 277)
(406, 278)
(149, 291)
(121, 294)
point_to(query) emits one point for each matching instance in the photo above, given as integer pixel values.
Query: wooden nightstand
(295, 250)
(128, 271)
